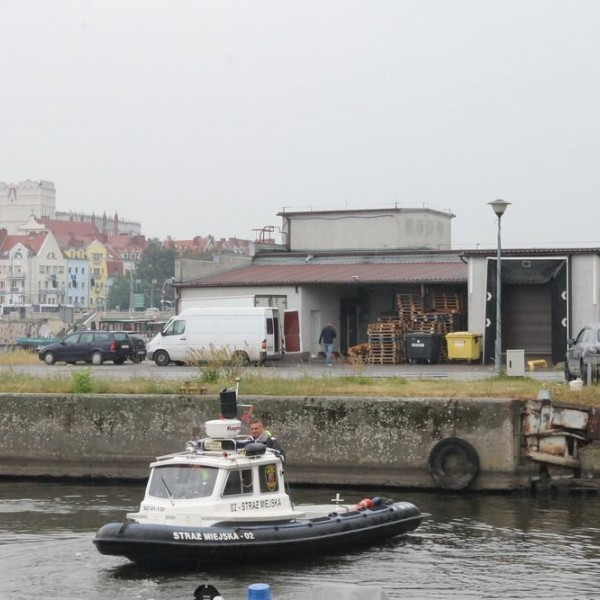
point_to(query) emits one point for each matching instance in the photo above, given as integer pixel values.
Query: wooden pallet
(192, 387)
(386, 353)
(384, 360)
(378, 333)
(359, 353)
(408, 305)
(447, 302)
(435, 322)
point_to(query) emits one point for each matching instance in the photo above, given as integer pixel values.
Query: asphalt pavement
(288, 369)
(451, 370)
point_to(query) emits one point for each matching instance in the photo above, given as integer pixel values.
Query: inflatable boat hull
(164, 544)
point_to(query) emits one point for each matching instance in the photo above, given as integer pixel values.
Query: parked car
(138, 352)
(581, 350)
(93, 347)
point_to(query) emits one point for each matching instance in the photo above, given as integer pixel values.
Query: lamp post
(499, 207)
(167, 282)
(152, 284)
(131, 290)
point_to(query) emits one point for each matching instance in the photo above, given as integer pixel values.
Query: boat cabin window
(182, 481)
(238, 482)
(267, 475)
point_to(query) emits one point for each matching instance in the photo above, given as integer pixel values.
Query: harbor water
(471, 546)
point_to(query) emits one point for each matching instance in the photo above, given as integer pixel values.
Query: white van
(251, 335)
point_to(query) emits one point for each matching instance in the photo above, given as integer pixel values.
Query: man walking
(327, 338)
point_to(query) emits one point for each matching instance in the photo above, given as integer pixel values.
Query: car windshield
(174, 328)
(583, 336)
(182, 481)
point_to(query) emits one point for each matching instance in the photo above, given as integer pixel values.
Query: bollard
(259, 591)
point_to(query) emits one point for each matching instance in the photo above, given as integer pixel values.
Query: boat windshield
(182, 481)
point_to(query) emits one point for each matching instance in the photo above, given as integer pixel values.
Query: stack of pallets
(446, 302)
(441, 313)
(386, 342)
(359, 353)
(409, 305)
(434, 322)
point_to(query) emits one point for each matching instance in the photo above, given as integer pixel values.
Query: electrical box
(515, 363)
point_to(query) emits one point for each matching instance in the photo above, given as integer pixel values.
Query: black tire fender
(453, 463)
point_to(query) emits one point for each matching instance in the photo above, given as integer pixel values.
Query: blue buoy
(259, 591)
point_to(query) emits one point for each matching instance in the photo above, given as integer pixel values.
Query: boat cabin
(217, 479)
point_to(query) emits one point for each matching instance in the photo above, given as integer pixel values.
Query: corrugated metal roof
(255, 275)
(524, 252)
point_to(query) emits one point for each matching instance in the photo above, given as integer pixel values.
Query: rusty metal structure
(556, 437)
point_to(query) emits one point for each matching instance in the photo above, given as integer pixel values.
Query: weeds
(82, 381)
(218, 369)
(18, 357)
(209, 375)
(218, 362)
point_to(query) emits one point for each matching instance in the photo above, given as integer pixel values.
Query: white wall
(476, 294)
(19, 201)
(585, 290)
(319, 307)
(235, 296)
(370, 230)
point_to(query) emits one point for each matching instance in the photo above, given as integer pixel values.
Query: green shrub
(209, 374)
(82, 381)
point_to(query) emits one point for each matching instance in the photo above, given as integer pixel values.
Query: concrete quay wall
(382, 442)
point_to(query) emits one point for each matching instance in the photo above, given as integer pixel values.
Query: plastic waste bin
(464, 345)
(423, 346)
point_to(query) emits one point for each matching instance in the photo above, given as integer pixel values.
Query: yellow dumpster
(464, 345)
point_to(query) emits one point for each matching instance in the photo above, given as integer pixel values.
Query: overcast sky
(198, 117)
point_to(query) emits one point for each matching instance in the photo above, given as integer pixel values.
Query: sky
(200, 117)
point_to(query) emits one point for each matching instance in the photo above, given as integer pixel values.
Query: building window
(279, 302)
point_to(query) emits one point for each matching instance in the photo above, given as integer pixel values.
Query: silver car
(583, 351)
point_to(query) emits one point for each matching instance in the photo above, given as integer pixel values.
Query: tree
(119, 294)
(156, 262)
(156, 265)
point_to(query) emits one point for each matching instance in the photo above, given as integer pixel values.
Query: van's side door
(273, 334)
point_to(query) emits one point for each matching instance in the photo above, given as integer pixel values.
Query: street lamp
(152, 284)
(499, 207)
(167, 282)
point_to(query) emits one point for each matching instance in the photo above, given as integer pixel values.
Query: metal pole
(130, 290)
(498, 353)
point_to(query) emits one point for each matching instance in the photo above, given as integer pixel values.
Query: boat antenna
(289, 492)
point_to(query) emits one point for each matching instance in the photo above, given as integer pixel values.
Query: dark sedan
(582, 351)
(92, 347)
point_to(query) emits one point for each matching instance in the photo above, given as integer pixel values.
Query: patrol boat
(224, 498)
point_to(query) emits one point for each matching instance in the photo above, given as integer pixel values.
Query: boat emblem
(271, 477)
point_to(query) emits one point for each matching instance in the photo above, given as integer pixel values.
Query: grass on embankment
(260, 382)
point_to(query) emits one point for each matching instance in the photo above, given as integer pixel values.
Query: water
(473, 546)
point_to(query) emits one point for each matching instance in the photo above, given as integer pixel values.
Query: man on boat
(262, 435)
